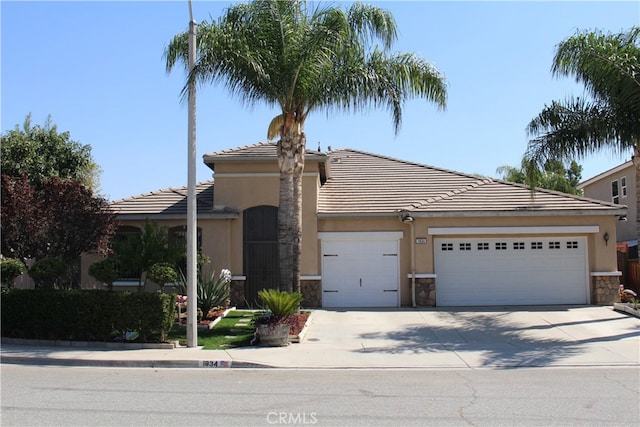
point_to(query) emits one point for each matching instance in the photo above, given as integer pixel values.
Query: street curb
(89, 344)
(47, 361)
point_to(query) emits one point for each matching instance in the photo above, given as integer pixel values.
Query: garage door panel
(360, 273)
(517, 271)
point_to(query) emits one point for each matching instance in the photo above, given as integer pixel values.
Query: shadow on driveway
(504, 337)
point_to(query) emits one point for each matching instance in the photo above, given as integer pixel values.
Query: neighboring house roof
(605, 174)
(170, 203)
(361, 183)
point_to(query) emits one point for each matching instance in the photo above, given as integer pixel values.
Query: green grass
(225, 334)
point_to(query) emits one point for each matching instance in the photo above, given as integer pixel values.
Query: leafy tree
(609, 67)
(10, 269)
(303, 61)
(63, 221)
(42, 153)
(141, 251)
(554, 176)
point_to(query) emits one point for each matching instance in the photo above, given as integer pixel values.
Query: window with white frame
(623, 187)
(615, 192)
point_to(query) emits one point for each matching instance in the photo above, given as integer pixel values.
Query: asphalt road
(66, 396)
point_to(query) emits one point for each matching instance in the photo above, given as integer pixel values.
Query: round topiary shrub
(46, 271)
(161, 273)
(105, 271)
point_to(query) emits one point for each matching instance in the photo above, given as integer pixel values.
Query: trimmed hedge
(85, 315)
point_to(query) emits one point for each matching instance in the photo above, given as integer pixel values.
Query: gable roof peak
(334, 153)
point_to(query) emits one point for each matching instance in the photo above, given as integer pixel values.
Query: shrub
(212, 292)
(46, 271)
(281, 309)
(161, 273)
(86, 315)
(10, 269)
(105, 271)
(280, 303)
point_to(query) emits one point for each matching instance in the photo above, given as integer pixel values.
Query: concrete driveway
(460, 338)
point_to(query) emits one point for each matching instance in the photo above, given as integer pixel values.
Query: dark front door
(260, 251)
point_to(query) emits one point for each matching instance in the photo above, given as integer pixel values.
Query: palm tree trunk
(636, 163)
(291, 164)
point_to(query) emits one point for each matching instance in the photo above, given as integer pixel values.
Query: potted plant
(273, 325)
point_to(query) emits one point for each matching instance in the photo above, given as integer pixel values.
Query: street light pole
(192, 295)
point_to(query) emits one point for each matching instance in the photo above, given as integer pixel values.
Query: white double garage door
(363, 270)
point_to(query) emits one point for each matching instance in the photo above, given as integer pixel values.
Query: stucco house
(617, 185)
(385, 232)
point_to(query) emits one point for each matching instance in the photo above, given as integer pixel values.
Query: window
(501, 246)
(447, 247)
(615, 195)
(125, 234)
(483, 246)
(536, 245)
(178, 236)
(572, 245)
(518, 246)
(623, 186)
(465, 246)
(554, 245)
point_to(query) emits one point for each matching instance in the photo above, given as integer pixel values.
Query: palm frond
(573, 130)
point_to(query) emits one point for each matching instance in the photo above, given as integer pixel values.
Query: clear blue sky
(97, 69)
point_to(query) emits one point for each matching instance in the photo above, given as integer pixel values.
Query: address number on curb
(215, 363)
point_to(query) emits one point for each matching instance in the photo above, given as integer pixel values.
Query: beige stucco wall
(601, 190)
(241, 186)
(238, 189)
(601, 255)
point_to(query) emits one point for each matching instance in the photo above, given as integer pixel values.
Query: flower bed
(626, 307)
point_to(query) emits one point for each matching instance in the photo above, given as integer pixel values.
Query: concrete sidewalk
(400, 338)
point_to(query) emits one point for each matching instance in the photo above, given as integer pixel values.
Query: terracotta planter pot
(273, 336)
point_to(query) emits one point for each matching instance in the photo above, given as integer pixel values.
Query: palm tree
(285, 55)
(609, 67)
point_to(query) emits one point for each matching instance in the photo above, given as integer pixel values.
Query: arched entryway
(260, 251)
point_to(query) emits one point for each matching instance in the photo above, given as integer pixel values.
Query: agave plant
(212, 292)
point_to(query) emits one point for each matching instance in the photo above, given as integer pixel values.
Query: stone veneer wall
(312, 293)
(425, 292)
(237, 293)
(604, 290)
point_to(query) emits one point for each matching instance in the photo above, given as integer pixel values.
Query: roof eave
(604, 174)
(483, 213)
(178, 216)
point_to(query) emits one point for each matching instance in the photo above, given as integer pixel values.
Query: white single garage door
(511, 271)
(360, 269)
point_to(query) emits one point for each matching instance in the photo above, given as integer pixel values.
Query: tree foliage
(609, 67)
(554, 175)
(303, 60)
(140, 251)
(10, 269)
(63, 221)
(41, 153)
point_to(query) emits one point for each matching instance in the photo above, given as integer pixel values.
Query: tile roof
(255, 152)
(362, 183)
(169, 201)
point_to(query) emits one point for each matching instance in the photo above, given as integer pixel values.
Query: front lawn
(233, 330)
